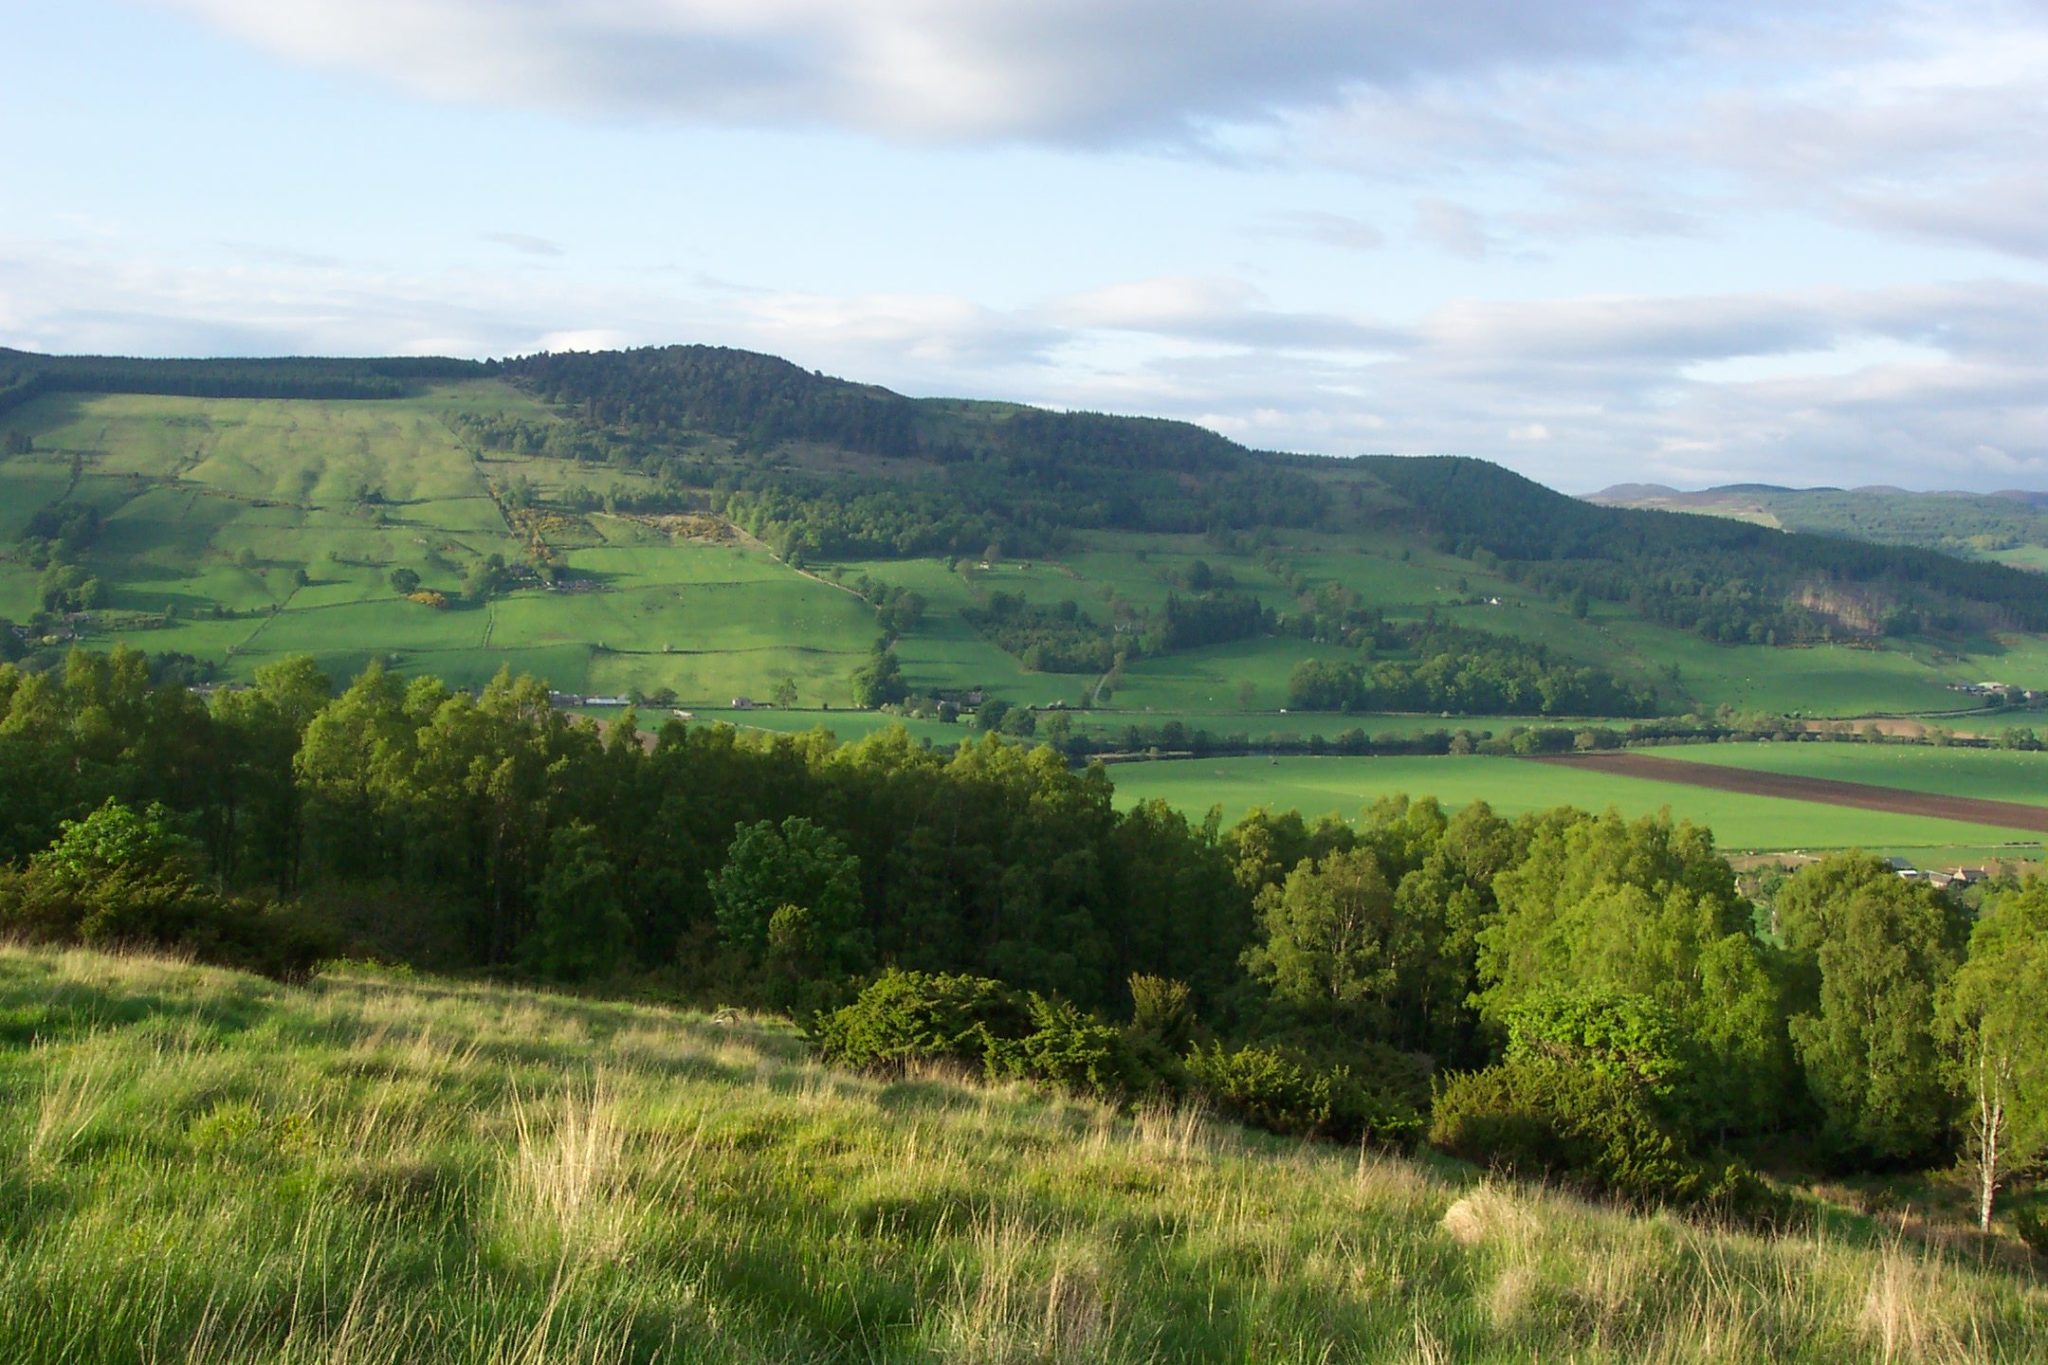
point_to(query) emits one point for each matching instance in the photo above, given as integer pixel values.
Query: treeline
(1729, 581)
(1060, 638)
(23, 375)
(803, 518)
(1592, 995)
(1022, 471)
(1495, 679)
(671, 394)
(501, 433)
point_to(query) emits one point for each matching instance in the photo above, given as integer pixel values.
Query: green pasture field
(945, 652)
(1512, 786)
(32, 483)
(1991, 774)
(2034, 557)
(1260, 726)
(1211, 678)
(1404, 587)
(190, 486)
(846, 726)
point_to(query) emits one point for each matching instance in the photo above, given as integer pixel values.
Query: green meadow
(1512, 786)
(202, 1166)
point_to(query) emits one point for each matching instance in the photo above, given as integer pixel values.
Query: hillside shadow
(43, 412)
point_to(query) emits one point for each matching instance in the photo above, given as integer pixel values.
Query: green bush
(1537, 1116)
(1281, 1091)
(1379, 1067)
(2030, 1221)
(912, 1016)
(1075, 1051)
(1162, 1010)
(159, 909)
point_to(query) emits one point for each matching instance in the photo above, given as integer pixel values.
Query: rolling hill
(706, 524)
(2007, 527)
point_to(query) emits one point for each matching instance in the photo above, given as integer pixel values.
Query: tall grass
(199, 1166)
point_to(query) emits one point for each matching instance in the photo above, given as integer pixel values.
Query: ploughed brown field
(1828, 791)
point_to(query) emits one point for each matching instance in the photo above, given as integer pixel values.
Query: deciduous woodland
(1567, 993)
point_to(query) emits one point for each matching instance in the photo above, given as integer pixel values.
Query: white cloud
(1327, 229)
(1217, 311)
(1079, 71)
(1454, 228)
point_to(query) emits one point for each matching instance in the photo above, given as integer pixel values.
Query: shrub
(1073, 1050)
(1537, 1116)
(1162, 1010)
(126, 878)
(2030, 1221)
(1379, 1067)
(1282, 1092)
(124, 908)
(910, 1016)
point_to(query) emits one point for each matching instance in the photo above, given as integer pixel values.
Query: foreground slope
(205, 1166)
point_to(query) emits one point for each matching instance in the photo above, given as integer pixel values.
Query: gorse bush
(908, 1016)
(1541, 1117)
(1282, 1092)
(1075, 1051)
(904, 1017)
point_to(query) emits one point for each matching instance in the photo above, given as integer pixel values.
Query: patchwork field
(1990, 774)
(1512, 786)
(1855, 795)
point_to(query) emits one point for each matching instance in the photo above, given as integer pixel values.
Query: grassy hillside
(246, 513)
(203, 1166)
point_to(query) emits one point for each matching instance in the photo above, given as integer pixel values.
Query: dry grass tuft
(1903, 1310)
(1490, 1213)
(558, 1185)
(69, 1100)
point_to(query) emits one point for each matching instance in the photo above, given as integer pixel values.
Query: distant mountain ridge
(2009, 526)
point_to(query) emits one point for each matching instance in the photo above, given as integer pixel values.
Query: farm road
(1827, 791)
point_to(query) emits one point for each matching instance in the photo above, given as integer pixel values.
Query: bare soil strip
(1826, 791)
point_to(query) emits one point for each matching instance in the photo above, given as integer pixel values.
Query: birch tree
(1994, 1022)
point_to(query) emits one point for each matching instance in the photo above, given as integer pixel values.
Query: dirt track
(1861, 795)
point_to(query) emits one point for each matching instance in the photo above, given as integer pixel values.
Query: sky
(1594, 240)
